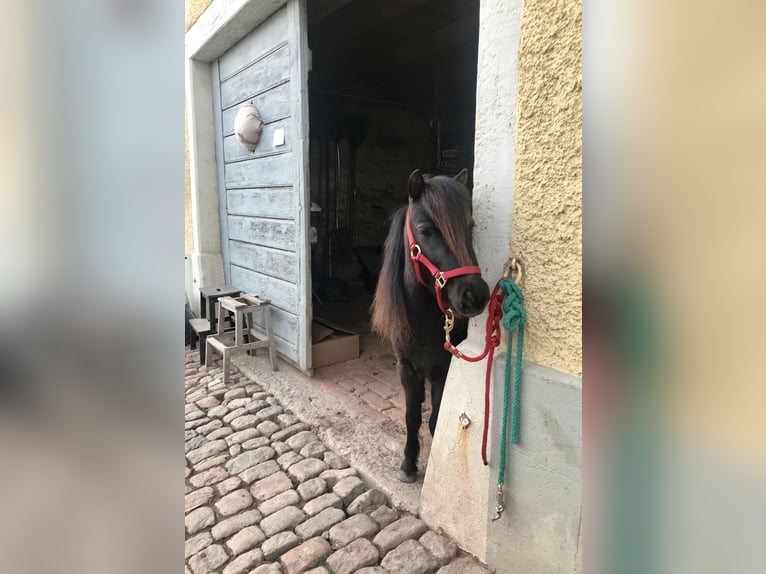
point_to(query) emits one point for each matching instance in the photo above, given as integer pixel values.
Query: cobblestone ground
(265, 496)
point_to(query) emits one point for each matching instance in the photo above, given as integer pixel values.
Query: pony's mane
(389, 315)
(449, 206)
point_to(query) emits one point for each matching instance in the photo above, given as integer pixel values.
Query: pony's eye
(426, 230)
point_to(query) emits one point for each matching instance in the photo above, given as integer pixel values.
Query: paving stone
(335, 461)
(280, 447)
(194, 443)
(197, 543)
(384, 516)
(235, 450)
(268, 428)
(318, 504)
(198, 498)
(243, 563)
(211, 462)
(197, 414)
(269, 414)
(285, 519)
(236, 413)
(245, 539)
(229, 485)
(220, 433)
(229, 526)
(410, 557)
(259, 471)
(234, 393)
(196, 423)
(250, 458)
(318, 570)
(280, 501)
(372, 570)
(288, 459)
(256, 442)
(270, 486)
(215, 424)
(190, 408)
(332, 476)
(189, 434)
(441, 548)
(367, 501)
(260, 396)
(397, 532)
(187, 472)
(305, 556)
(306, 469)
(208, 403)
(272, 400)
(207, 450)
(253, 388)
(208, 559)
(241, 436)
(211, 476)
(234, 502)
(320, 523)
(356, 555)
(287, 419)
(314, 450)
(298, 441)
(218, 412)
(464, 565)
(279, 544)
(199, 519)
(349, 488)
(312, 488)
(270, 568)
(238, 403)
(288, 432)
(253, 406)
(243, 422)
(358, 526)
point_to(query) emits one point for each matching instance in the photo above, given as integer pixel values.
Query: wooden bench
(246, 336)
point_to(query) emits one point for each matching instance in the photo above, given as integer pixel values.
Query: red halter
(440, 277)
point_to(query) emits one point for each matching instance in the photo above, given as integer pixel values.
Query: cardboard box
(332, 343)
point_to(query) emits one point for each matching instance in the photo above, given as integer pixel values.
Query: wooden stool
(245, 336)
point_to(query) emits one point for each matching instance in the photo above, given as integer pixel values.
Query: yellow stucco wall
(547, 206)
(193, 10)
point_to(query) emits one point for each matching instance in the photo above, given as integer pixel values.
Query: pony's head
(441, 219)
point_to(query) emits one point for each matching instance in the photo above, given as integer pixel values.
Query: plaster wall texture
(539, 531)
(192, 9)
(454, 466)
(547, 211)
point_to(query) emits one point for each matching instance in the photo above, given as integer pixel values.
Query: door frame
(221, 26)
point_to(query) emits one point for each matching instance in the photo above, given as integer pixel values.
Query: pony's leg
(437, 390)
(414, 394)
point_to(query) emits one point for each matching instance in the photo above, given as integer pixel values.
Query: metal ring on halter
(441, 280)
(415, 251)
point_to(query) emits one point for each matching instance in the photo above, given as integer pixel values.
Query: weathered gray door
(263, 194)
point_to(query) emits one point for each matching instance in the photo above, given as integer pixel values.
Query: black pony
(409, 308)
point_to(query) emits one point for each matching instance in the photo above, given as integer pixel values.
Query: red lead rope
(491, 342)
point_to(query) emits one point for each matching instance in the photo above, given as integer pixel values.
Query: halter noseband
(440, 277)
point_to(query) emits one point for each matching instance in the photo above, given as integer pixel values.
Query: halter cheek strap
(440, 277)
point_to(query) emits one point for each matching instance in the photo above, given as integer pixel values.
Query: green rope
(514, 317)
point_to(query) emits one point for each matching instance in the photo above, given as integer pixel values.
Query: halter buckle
(441, 280)
(415, 251)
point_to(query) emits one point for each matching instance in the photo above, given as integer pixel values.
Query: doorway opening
(392, 87)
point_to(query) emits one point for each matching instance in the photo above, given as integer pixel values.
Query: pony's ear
(462, 177)
(415, 184)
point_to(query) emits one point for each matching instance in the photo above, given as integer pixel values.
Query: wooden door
(264, 196)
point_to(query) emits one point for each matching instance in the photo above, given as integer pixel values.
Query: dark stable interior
(392, 87)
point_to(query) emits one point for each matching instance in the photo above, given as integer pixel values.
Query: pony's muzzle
(470, 295)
